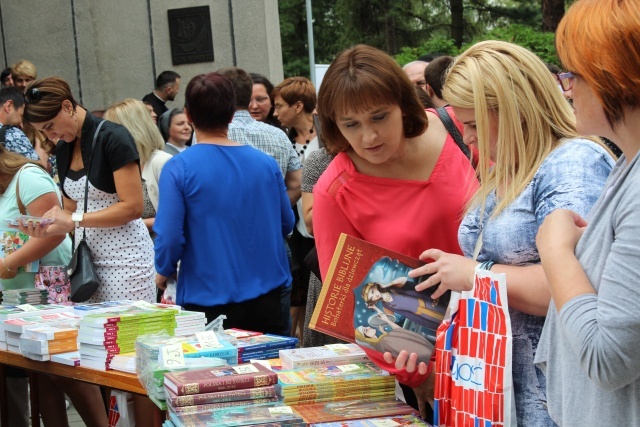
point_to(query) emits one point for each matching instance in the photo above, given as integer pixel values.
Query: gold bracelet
(4, 264)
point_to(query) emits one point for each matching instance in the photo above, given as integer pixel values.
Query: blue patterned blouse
(571, 177)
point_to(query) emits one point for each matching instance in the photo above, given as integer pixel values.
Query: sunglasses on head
(33, 95)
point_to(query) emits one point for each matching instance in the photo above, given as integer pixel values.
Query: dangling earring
(72, 112)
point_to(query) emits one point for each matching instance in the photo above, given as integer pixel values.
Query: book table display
(214, 378)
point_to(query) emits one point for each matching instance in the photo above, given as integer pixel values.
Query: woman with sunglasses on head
(590, 343)
(521, 123)
(119, 241)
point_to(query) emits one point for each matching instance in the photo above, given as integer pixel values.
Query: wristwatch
(77, 218)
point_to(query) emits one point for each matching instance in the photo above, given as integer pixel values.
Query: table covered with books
(201, 377)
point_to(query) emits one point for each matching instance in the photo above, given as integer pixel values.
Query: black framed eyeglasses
(33, 95)
(566, 80)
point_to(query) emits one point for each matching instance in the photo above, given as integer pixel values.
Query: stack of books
(261, 347)
(330, 354)
(389, 421)
(25, 296)
(12, 328)
(98, 307)
(14, 312)
(357, 409)
(226, 396)
(40, 343)
(335, 383)
(71, 358)
(105, 334)
(202, 402)
(189, 322)
(124, 362)
(264, 414)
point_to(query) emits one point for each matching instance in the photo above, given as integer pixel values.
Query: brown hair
(296, 89)
(599, 40)
(10, 164)
(44, 99)
(358, 79)
(436, 72)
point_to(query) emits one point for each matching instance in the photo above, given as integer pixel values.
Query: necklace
(304, 146)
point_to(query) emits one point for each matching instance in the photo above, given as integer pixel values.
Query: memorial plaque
(190, 35)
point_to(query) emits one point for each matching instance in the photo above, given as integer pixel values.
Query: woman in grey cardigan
(590, 344)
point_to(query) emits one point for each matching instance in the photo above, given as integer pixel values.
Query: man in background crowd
(166, 88)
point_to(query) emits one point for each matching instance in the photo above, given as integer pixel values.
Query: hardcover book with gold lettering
(198, 381)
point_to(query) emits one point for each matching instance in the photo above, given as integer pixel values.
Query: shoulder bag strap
(21, 207)
(447, 121)
(88, 168)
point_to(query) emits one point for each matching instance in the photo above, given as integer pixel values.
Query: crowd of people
(240, 197)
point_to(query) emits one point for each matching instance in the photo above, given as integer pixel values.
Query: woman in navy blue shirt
(223, 213)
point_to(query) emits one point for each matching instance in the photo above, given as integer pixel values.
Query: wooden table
(110, 379)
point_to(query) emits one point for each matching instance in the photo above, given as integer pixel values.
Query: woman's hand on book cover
(424, 392)
(449, 271)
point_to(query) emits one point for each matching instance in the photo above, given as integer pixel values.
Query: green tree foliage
(540, 43)
(408, 28)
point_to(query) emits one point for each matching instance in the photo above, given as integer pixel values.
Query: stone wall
(110, 50)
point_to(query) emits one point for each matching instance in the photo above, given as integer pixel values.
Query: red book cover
(247, 375)
(322, 412)
(220, 396)
(195, 409)
(367, 298)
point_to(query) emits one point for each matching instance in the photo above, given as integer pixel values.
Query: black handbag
(81, 271)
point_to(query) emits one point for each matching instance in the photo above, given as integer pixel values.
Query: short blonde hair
(133, 115)
(513, 84)
(24, 68)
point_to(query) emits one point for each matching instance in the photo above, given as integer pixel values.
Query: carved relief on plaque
(190, 34)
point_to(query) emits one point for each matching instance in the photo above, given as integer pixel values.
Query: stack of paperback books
(25, 296)
(357, 409)
(124, 362)
(19, 321)
(40, 343)
(334, 383)
(189, 322)
(263, 414)
(98, 307)
(14, 312)
(71, 358)
(226, 396)
(261, 347)
(105, 334)
(330, 354)
(389, 421)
